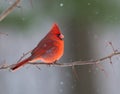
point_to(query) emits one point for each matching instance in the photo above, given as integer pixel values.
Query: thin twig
(114, 50)
(2, 33)
(9, 10)
(101, 68)
(75, 73)
(24, 54)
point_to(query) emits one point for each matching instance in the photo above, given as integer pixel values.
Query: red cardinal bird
(49, 50)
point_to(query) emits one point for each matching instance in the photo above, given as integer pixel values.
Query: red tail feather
(20, 64)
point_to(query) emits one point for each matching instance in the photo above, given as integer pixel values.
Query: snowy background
(88, 26)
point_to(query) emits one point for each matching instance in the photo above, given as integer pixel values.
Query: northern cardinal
(49, 49)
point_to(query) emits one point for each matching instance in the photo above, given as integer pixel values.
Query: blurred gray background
(88, 26)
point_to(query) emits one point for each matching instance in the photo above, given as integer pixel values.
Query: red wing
(42, 47)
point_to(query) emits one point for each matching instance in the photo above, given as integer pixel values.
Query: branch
(75, 63)
(9, 10)
(79, 63)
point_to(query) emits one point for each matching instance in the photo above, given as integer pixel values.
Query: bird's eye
(61, 36)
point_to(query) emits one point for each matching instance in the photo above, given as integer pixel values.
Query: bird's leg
(55, 62)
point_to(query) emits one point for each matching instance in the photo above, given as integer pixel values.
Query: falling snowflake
(61, 4)
(89, 3)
